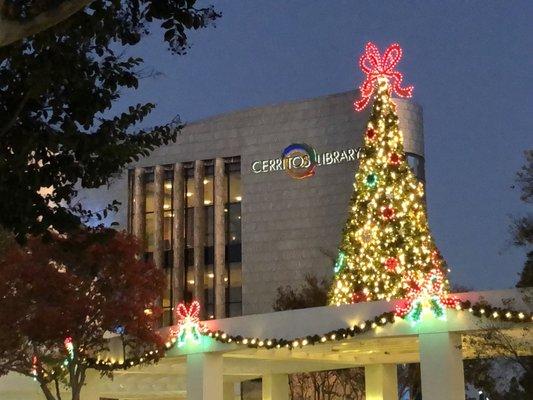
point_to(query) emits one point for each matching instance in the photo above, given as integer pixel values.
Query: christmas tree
(387, 251)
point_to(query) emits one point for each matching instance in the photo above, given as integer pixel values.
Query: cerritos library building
(245, 202)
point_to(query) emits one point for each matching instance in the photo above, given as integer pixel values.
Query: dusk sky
(472, 67)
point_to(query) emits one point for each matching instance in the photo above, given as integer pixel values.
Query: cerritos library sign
(300, 160)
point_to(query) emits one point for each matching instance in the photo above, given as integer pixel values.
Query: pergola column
(381, 382)
(139, 205)
(204, 377)
(275, 387)
(199, 234)
(441, 366)
(220, 238)
(178, 244)
(229, 391)
(159, 197)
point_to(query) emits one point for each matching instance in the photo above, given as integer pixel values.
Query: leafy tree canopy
(522, 228)
(56, 92)
(83, 287)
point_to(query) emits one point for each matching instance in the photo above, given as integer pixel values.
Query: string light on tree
(69, 346)
(386, 239)
(34, 367)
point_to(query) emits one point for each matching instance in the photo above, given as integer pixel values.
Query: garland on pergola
(478, 309)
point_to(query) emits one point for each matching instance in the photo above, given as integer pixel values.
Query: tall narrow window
(168, 213)
(233, 239)
(189, 231)
(209, 209)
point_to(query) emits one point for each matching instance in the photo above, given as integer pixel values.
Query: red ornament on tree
(387, 213)
(370, 134)
(375, 66)
(394, 159)
(359, 297)
(391, 263)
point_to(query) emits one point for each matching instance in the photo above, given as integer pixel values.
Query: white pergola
(209, 370)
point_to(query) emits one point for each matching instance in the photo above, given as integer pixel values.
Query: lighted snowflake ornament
(376, 66)
(189, 328)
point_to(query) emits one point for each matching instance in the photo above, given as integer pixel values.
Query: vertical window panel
(189, 227)
(167, 199)
(235, 192)
(189, 192)
(167, 229)
(208, 190)
(234, 223)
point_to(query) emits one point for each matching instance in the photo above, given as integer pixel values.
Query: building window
(209, 250)
(232, 207)
(416, 163)
(233, 240)
(190, 198)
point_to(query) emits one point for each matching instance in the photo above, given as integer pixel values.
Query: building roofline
(282, 104)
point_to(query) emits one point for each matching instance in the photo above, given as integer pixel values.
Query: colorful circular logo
(299, 160)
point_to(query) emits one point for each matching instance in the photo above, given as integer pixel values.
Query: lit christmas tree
(387, 251)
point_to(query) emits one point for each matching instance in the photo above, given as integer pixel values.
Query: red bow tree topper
(375, 66)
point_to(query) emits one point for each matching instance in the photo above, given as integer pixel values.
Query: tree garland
(478, 309)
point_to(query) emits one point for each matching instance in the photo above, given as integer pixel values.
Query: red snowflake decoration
(391, 263)
(370, 134)
(359, 297)
(394, 159)
(387, 213)
(375, 66)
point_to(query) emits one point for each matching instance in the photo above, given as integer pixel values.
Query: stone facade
(290, 227)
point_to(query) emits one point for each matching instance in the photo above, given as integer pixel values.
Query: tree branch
(17, 112)
(12, 31)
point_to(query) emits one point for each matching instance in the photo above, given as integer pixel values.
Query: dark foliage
(312, 293)
(82, 287)
(56, 92)
(522, 228)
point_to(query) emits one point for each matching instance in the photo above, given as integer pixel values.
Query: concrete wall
(290, 227)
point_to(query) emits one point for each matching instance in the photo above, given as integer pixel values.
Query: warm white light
(238, 198)
(189, 194)
(207, 202)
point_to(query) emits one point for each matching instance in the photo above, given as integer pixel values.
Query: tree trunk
(11, 31)
(77, 384)
(47, 393)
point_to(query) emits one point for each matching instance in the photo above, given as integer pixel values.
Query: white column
(178, 244)
(441, 366)
(220, 238)
(204, 377)
(139, 205)
(229, 391)
(199, 235)
(381, 382)
(275, 387)
(159, 197)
